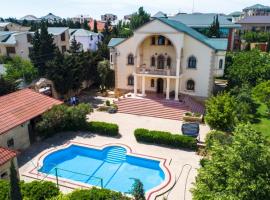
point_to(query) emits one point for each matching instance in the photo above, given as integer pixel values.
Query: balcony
(155, 71)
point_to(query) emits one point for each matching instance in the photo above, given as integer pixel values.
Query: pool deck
(182, 164)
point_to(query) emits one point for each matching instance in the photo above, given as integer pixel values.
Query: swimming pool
(112, 167)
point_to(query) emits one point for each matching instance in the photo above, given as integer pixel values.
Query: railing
(155, 71)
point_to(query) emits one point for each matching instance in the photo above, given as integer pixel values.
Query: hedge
(104, 128)
(165, 138)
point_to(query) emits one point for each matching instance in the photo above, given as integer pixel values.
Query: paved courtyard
(182, 164)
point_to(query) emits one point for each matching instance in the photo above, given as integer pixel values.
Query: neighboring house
(89, 40)
(202, 22)
(100, 25)
(255, 23)
(29, 18)
(108, 17)
(235, 16)
(167, 57)
(51, 18)
(257, 10)
(6, 157)
(81, 18)
(18, 113)
(61, 37)
(15, 43)
(9, 26)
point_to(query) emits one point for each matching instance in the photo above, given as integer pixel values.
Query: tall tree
(238, 170)
(43, 48)
(137, 190)
(15, 192)
(95, 29)
(86, 25)
(262, 93)
(74, 46)
(103, 71)
(214, 29)
(139, 18)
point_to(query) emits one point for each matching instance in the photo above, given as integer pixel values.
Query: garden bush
(37, 190)
(4, 190)
(64, 118)
(103, 128)
(96, 194)
(165, 138)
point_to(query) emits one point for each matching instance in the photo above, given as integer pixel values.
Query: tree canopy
(237, 170)
(262, 93)
(7, 86)
(139, 18)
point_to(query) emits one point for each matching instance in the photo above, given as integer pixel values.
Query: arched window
(161, 62)
(152, 83)
(130, 59)
(190, 85)
(169, 62)
(153, 61)
(220, 64)
(192, 62)
(130, 80)
(161, 40)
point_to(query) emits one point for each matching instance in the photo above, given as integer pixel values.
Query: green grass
(263, 125)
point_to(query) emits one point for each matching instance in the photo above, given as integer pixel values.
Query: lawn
(264, 125)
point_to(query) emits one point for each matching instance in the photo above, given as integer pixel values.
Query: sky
(95, 8)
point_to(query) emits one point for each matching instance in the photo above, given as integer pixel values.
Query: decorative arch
(192, 62)
(131, 80)
(130, 59)
(190, 85)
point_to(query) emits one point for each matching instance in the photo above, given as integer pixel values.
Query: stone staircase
(160, 108)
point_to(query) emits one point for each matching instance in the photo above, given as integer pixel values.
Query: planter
(193, 118)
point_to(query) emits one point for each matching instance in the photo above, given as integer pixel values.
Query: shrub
(64, 118)
(108, 103)
(103, 128)
(216, 138)
(37, 190)
(96, 194)
(165, 138)
(103, 108)
(4, 190)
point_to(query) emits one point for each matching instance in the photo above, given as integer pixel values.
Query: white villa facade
(167, 57)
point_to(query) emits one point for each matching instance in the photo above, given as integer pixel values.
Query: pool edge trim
(149, 194)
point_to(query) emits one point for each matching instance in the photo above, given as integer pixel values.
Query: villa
(168, 58)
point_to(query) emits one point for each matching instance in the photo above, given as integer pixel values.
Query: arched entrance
(160, 84)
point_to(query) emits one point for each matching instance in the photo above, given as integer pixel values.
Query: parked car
(191, 129)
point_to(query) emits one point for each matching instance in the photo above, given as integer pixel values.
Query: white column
(176, 89)
(177, 66)
(135, 84)
(143, 85)
(168, 89)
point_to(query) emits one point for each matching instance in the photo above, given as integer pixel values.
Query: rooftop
(81, 32)
(257, 6)
(29, 18)
(51, 16)
(57, 30)
(200, 20)
(4, 24)
(18, 107)
(6, 155)
(255, 20)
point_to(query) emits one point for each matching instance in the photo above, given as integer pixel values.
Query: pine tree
(214, 28)
(95, 26)
(74, 46)
(86, 25)
(15, 192)
(137, 190)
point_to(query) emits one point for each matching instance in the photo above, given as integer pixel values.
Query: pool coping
(151, 194)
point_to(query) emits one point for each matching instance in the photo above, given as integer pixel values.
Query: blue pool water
(116, 169)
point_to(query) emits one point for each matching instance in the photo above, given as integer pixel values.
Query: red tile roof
(21, 106)
(6, 155)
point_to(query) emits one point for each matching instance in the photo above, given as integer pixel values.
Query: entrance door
(160, 85)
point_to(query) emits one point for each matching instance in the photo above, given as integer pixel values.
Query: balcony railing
(155, 71)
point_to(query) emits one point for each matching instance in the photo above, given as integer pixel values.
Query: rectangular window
(10, 50)
(63, 37)
(153, 40)
(64, 49)
(111, 58)
(10, 143)
(29, 38)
